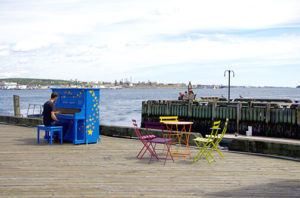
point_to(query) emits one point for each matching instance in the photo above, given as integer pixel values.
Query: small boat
(216, 87)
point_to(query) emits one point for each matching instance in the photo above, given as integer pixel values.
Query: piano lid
(70, 98)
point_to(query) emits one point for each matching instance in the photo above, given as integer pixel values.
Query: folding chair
(148, 140)
(167, 142)
(156, 125)
(144, 141)
(219, 139)
(207, 142)
(166, 119)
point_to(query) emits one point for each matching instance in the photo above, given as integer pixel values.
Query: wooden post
(238, 117)
(190, 109)
(149, 107)
(268, 113)
(144, 107)
(213, 110)
(17, 106)
(298, 115)
(169, 106)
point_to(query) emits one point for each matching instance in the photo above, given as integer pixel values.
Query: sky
(167, 41)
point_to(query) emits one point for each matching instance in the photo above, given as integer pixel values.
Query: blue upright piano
(79, 111)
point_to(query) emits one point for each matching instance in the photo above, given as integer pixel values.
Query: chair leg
(51, 132)
(216, 148)
(152, 152)
(164, 136)
(147, 147)
(61, 137)
(47, 136)
(202, 151)
(168, 152)
(153, 148)
(38, 135)
(144, 147)
(199, 153)
(209, 153)
(141, 151)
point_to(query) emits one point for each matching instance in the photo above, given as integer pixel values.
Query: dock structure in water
(271, 118)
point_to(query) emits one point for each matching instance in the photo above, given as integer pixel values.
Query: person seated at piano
(49, 118)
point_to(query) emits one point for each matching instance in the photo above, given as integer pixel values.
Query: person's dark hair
(54, 95)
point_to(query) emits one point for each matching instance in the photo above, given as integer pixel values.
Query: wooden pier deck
(110, 169)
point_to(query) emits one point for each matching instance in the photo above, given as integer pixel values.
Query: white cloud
(35, 43)
(203, 50)
(4, 53)
(109, 39)
(4, 47)
(8, 74)
(23, 60)
(4, 50)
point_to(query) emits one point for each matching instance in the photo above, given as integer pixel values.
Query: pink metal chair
(165, 141)
(155, 125)
(149, 141)
(144, 139)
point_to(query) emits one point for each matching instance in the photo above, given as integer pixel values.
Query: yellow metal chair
(207, 142)
(168, 118)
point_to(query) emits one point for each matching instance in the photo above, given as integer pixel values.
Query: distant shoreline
(44, 84)
(112, 88)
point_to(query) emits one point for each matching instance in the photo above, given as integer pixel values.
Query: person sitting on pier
(191, 92)
(190, 95)
(180, 96)
(185, 96)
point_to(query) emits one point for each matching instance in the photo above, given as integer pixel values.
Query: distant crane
(229, 72)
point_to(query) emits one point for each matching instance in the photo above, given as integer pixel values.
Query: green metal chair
(207, 143)
(218, 140)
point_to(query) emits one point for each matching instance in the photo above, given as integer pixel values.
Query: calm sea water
(118, 107)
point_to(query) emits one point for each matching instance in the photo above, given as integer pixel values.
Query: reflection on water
(118, 107)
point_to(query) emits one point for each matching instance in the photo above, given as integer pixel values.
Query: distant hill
(298, 86)
(42, 82)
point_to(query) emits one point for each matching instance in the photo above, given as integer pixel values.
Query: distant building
(8, 85)
(22, 87)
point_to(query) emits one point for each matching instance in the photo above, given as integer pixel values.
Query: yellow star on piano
(90, 132)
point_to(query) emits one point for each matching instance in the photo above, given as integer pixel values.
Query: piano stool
(52, 130)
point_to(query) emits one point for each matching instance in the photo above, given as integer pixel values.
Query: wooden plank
(268, 113)
(294, 117)
(298, 115)
(285, 115)
(289, 118)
